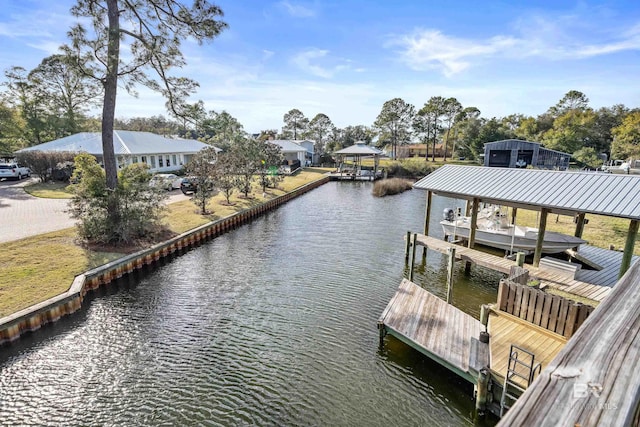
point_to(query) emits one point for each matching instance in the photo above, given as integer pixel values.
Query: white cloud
(297, 10)
(430, 49)
(565, 38)
(308, 61)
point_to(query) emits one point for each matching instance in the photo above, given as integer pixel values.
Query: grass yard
(49, 190)
(40, 267)
(601, 231)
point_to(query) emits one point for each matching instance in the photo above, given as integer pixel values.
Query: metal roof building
(569, 193)
(515, 153)
(159, 152)
(561, 192)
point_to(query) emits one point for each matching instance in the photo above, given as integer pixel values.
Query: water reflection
(271, 324)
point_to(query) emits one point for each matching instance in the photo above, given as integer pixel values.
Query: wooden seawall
(51, 310)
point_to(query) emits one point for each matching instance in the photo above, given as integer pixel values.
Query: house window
(153, 161)
(143, 159)
(175, 161)
(134, 159)
(167, 161)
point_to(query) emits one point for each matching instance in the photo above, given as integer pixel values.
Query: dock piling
(413, 256)
(451, 251)
(482, 388)
(408, 245)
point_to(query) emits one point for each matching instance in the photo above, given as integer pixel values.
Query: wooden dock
(436, 329)
(594, 380)
(609, 260)
(547, 278)
(505, 330)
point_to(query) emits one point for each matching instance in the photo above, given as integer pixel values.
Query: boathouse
(566, 362)
(548, 192)
(350, 162)
(513, 153)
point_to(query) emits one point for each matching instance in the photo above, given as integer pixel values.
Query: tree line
(52, 100)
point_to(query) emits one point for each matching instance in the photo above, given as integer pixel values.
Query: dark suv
(188, 185)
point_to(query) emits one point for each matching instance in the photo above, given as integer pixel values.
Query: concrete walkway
(22, 215)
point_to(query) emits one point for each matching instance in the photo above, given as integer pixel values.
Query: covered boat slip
(548, 192)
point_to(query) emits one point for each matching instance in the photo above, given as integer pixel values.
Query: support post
(579, 224)
(628, 247)
(473, 225)
(542, 227)
(408, 246)
(452, 258)
(482, 391)
(427, 215)
(520, 259)
(382, 332)
(413, 256)
(514, 211)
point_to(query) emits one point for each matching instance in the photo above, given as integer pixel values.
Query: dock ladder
(521, 372)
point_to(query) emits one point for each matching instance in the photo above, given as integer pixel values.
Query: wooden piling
(628, 248)
(427, 216)
(482, 389)
(520, 259)
(408, 246)
(413, 256)
(452, 258)
(542, 227)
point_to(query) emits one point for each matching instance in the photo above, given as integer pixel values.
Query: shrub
(409, 168)
(391, 186)
(139, 206)
(45, 163)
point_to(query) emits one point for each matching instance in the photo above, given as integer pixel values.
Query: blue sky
(345, 58)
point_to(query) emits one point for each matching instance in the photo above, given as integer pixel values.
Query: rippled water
(271, 324)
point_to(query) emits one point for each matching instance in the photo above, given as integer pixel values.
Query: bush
(47, 163)
(138, 205)
(409, 168)
(388, 187)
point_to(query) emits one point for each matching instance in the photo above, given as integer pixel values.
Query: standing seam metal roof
(588, 192)
(124, 143)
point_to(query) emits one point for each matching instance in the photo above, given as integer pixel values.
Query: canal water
(271, 324)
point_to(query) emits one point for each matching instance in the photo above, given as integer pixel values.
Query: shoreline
(32, 318)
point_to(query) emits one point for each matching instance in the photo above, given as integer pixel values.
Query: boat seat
(559, 266)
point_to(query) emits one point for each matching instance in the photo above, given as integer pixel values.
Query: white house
(161, 153)
(291, 150)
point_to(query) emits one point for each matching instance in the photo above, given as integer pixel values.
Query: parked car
(190, 185)
(167, 181)
(14, 171)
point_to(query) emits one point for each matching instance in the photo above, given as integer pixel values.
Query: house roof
(563, 192)
(124, 143)
(288, 146)
(361, 149)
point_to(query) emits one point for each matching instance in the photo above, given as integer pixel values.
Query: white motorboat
(493, 229)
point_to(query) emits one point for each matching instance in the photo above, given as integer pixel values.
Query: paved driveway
(22, 215)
